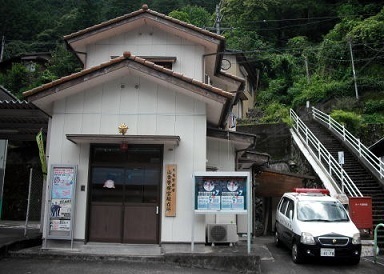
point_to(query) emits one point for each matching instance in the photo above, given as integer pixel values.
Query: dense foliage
(302, 49)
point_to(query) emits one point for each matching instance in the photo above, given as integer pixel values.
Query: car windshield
(323, 211)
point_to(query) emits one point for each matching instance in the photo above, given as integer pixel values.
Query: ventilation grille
(218, 233)
(222, 233)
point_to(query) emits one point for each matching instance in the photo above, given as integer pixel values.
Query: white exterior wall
(149, 41)
(150, 109)
(220, 154)
(241, 112)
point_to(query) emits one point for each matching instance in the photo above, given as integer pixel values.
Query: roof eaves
(127, 55)
(71, 77)
(143, 10)
(234, 77)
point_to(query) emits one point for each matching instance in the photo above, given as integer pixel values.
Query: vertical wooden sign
(170, 190)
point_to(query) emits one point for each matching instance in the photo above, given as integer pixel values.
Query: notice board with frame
(222, 193)
(61, 202)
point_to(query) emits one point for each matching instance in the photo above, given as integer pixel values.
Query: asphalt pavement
(15, 243)
(22, 252)
(15, 235)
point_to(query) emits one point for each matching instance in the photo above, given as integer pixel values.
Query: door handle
(157, 210)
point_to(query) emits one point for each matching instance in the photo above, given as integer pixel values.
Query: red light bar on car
(312, 190)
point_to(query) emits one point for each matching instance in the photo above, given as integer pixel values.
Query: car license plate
(327, 252)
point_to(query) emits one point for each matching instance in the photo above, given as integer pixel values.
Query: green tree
(115, 8)
(62, 63)
(15, 79)
(166, 6)
(194, 15)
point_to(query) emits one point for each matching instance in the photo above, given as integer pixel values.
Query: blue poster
(62, 185)
(220, 193)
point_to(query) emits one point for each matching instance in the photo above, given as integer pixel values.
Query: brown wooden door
(139, 223)
(141, 204)
(125, 201)
(106, 222)
(106, 214)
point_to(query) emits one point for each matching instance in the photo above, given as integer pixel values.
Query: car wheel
(297, 257)
(277, 239)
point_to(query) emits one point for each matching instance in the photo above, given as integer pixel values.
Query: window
(321, 211)
(283, 206)
(30, 66)
(164, 61)
(290, 207)
(130, 176)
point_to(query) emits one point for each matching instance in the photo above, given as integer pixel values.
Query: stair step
(363, 184)
(377, 204)
(363, 181)
(360, 176)
(356, 171)
(375, 188)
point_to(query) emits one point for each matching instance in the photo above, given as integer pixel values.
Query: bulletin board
(61, 203)
(222, 193)
(218, 192)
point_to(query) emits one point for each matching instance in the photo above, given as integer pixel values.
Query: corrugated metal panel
(20, 120)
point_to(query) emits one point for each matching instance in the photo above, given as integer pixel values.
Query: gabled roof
(144, 16)
(218, 101)
(214, 44)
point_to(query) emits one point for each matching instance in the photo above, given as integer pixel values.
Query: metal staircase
(363, 170)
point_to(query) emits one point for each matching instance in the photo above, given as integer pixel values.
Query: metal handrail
(371, 159)
(330, 164)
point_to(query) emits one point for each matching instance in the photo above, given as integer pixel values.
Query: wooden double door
(125, 198)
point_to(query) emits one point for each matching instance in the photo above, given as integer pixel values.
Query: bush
(350, 120)
(318, 89)
(275, 113)
(373, 119)
(373, 106)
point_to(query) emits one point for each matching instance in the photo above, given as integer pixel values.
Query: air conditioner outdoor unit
(222, 233)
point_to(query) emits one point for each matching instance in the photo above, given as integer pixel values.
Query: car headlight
(307, 238)
(356, 239)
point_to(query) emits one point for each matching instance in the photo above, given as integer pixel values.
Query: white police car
(315, 225)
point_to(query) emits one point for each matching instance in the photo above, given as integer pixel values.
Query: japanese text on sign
(170, 191)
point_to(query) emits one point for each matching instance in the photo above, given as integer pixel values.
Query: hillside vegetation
(330, 53)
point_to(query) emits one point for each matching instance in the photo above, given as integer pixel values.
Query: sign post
(340, 156)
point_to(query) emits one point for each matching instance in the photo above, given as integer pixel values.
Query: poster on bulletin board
(62, 188)
(221, 192)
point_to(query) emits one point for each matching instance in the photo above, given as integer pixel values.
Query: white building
(149, 72)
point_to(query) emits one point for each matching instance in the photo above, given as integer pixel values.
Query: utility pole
(217, 25)
(306, 68)
(218, 19)
(353, 69)
(2, 48)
